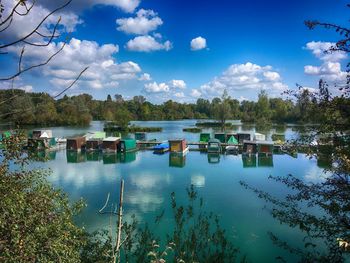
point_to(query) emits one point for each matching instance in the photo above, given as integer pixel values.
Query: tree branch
(76, 79)
(34, 66)
(37, 27)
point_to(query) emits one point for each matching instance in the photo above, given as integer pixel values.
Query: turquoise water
(150, 179)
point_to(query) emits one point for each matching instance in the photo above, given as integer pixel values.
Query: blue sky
(144, 48)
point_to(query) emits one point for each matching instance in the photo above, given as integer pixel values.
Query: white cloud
(330, 68)
(125, 71)
(22, 25)
(103, 70)
(196, 93)
(242, 78)
(145, 77)
(271, 75)
(144, 22)
(147, 44)
(27, 88)
(154, 87)
(242, 98)
(198, 43)
(319, 49)
(310, 89)
(179, 95)
(17, 84)
(178, 83)
(125, 5)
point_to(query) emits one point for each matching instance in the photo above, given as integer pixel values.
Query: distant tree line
(22, 108)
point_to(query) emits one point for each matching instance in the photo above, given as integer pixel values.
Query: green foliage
(23, 108)
(222, 109)
(36, 221)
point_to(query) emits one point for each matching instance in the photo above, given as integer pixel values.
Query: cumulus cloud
(320, 50)
(198, 43)
(147, 44)
(154, 87)
(18, 84)
(168, 89)
(330, 68)
(26, 88)
(145, 77)
(244, 77)
(179, 95)
(21, 26)
(103, 70)
(196, 93)
(272, 76)
(144, 22)
(178, 83)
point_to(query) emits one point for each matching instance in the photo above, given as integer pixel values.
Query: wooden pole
(120, 223)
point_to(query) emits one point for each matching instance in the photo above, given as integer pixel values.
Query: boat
(161, 148)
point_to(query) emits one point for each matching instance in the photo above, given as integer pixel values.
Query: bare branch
(51, 37)
(46, 36)
(10, 16)
(37, 27)
(34, 66)
(27, 9)
(77, 78)
(20, 60)
(9, 19)
(7, 26)
(313, 24)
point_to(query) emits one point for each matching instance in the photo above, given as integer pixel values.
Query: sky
(177, 49)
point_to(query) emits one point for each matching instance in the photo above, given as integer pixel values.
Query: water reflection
(127, 157)
(265, 161)
(75, 157)
(177, 160)
(249, 161)
(213, 158)
(149, 181)
(198, 180)
(143, 196)
(93, 156)
(41, 156)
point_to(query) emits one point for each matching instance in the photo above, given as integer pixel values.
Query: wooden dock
(150, 143)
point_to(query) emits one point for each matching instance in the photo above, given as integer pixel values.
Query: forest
(41, 109)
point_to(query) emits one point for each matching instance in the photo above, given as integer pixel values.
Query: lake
(150, 179)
